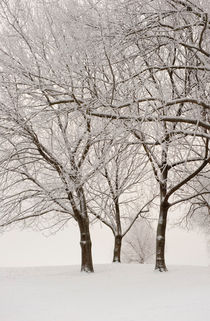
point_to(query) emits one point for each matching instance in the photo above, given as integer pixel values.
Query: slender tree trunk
(86, 245)
(160, 240)
(117, 248)
(164, 206)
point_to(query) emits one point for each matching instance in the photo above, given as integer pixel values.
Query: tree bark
(160, 240)
(164, 206)
(86, 245)
(117, 248)
(82, 219)
(85, 240)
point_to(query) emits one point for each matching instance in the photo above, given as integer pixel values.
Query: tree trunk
(160, 240)
(164, 206)
(85, 240)
(117, 248)
(86, 246)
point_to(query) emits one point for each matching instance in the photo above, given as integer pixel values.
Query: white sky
(28, 248)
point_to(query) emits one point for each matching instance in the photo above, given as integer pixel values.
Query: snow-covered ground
(115, 292)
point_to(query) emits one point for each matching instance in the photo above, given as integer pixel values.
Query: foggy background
(30, 248)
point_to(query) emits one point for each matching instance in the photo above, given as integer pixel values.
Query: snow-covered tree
(46, 132)
(139, 244)
(120, 192)
(73, 71)
(166, 69)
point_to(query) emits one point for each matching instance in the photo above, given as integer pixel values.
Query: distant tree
(139, 244)
(198, 207)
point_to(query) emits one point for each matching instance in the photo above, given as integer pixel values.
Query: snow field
(115, 292)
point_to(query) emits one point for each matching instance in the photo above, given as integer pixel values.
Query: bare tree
(198, 207)
(64, 81)
(42, 165)
(46, 132)
(118, 195)
(139, 243)
(167, 109)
